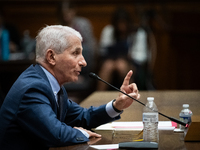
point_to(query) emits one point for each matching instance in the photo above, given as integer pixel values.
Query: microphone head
(93, 75)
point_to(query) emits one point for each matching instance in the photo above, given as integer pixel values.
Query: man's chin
(75, 79)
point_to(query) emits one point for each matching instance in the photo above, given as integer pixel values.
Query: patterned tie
(60, 104)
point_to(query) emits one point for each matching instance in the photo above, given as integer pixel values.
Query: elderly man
(37, 114)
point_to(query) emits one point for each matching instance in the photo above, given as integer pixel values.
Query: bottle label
(150, 117)
(186, 119)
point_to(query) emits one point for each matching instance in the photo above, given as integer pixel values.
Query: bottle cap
(150, 98)
(185, 105)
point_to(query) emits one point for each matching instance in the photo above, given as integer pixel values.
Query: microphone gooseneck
(94, 76)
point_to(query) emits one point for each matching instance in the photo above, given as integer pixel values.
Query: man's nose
(82, 62)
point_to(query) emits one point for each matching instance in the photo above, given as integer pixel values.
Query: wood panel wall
(176, 27)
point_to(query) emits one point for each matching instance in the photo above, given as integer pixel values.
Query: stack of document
(136, 125)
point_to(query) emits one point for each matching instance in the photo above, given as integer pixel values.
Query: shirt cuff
(85, 133)
(111, 111)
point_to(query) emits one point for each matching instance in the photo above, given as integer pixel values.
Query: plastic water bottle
(150, 121)
(185, 115)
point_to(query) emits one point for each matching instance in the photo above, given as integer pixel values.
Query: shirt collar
(53, 82)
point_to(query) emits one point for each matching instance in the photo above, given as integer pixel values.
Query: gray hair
(55, 37)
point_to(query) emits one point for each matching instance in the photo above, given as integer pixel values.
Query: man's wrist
(117, 110)
(85, 133)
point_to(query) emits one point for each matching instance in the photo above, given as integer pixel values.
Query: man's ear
(50, 57)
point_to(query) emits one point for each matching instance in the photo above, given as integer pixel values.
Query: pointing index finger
(127, 78)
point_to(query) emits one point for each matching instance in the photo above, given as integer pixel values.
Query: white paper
(178, 130)
(107, 146)
(107, 126)
(135, 125)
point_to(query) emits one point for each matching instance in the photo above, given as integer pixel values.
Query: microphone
(94, 76)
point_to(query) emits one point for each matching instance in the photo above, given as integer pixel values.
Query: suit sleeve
(87, 118)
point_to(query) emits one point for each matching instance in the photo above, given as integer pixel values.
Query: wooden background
(176, 28)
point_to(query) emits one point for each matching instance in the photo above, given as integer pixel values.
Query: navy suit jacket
(28, 116)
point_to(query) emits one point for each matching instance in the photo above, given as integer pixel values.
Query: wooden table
(168, 102)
